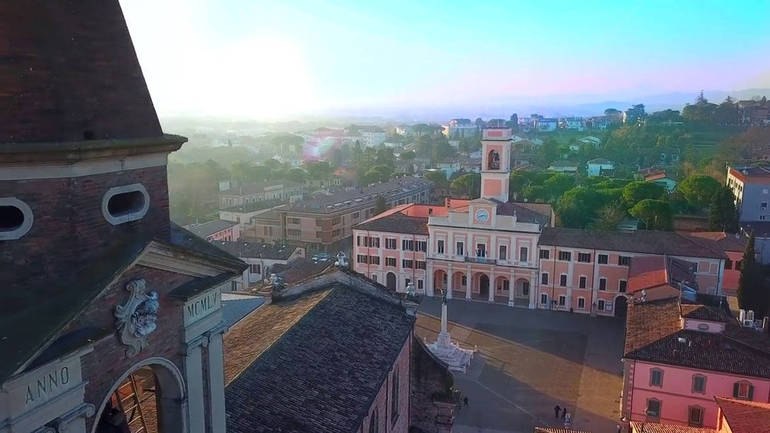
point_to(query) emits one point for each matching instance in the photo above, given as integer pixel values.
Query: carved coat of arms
(137, 317)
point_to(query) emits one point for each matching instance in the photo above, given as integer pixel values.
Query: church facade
(110, 314)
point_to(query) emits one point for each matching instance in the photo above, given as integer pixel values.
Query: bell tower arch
(495, 163)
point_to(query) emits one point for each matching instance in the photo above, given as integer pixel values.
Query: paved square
(528, 362)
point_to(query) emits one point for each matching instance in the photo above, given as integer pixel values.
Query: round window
(122, 204)
(15, 218)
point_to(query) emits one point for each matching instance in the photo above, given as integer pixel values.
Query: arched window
(743, 390)
(374, 421)
(493, 161)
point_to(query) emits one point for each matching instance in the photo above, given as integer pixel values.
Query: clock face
(482, 215)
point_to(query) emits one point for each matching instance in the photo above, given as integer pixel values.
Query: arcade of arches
(485, 286)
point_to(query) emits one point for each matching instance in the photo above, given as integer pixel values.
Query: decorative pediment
(137, 317)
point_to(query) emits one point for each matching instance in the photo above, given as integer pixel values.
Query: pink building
(476, 249)
(588, 271)
(679, 356)
(733, 246)
(735, 416)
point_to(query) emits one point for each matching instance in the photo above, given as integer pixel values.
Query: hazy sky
(276, 58)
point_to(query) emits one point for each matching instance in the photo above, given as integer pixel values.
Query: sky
(285, 59)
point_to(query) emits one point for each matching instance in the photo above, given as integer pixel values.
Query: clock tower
(495, 163)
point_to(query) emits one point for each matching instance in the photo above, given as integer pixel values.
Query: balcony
(483, 260)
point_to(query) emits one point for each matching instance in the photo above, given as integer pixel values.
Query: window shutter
(735, 389)
(751, 392)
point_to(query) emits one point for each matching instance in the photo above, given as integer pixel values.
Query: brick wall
(386, 421)
(432, 405)
(108, 362)
(69, 229)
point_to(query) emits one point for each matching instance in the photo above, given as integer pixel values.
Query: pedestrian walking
(568, 420)
(563, 412)
(465, 401)
(556, 410)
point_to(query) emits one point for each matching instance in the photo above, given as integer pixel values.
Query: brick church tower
(495, 163)
(109, 312)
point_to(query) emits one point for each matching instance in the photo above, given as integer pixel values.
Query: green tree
(722, 213)
(380, 205)
(297, 175)
(556, 185)
(609, 217)
(438, 177)
(467, 185)
(409, 155)
(634, 192)
(578, 207)
(654, 214)
(752, 294)
(699, 190)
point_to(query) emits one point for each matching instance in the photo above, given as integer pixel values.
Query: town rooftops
(760, 229)
(654, 333)
(210, 227)
(640, 241)
(537, 213)
(360, 197)
(396, 222)
(725, 241)
(272, 251)
(314, 363)
(745, 416)
(259, 187)
(69, 73)
(660, 276)
(558, 430)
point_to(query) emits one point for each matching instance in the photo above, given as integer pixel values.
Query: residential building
(261, 258)
(735, 416)
(217, 230)
(754, 112)
(680, 355)
(243, 214)
(572, 123)
(547, 124)
(733, 245)
(369, 371)
(372, 136)
(105, 300)
(659, 176)
(250, 193)
(328, 218)
(599, 167)
(462, 128)
(588, 271)
(564, 166)
(751, 188)
(590, 139)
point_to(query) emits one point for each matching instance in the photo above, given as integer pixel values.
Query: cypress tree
(751, 290)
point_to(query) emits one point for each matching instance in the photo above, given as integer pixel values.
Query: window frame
(582, 282)
(699, 421)
(546, 253)
(694, 389)
(603, 287)
(647, 409)
(602, 259)
(563, 280)
(652, 377)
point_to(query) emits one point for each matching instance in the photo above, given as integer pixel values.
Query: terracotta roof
(361, 197)
(651, 427)
(314, 364)
(69, 73)
(654, 333)
(745, 416)
(640, 241)
(299, 268)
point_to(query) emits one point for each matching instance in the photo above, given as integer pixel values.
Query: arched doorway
(439, 282)
(621, 306)
(148, 397)
(484, 286)
(502, 288)
(459, 283)
(521, 291)
(390, 281)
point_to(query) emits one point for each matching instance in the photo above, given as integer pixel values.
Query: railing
(484, 260)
